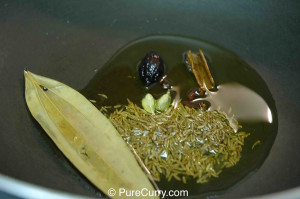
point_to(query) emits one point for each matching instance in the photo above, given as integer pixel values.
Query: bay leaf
(84, 135)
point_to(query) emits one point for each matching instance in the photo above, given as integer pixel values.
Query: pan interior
(119, 80)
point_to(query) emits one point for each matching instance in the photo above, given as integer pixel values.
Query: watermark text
(144, 192)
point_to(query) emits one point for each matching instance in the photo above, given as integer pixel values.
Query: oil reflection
(239, 102)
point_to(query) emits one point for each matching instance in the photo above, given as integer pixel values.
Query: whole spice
(196, 93)
(148, 103)
(151, 69)
(180, 143)
(151, 105)
(84, 135)
(200, 70)
(163, 102)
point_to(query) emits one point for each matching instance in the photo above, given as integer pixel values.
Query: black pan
(70, 40)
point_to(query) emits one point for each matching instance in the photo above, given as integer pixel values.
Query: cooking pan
(71, 40)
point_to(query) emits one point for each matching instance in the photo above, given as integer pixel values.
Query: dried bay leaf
(84, 135)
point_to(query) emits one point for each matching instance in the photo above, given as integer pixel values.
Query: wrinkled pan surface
(69, 41)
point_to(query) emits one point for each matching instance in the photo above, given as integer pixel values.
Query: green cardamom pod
(148, 103)
(163, 102)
